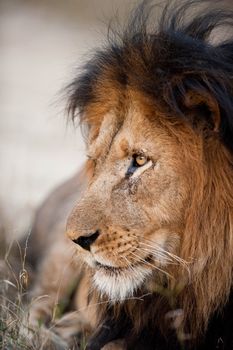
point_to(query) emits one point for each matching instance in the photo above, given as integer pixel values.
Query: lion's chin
(120, 284)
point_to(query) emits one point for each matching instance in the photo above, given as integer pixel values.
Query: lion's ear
(203, 107)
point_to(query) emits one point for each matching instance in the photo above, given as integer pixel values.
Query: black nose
(86, 241)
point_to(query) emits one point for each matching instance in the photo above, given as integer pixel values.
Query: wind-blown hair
(165, 61)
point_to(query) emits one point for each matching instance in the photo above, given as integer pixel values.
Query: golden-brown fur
(164, 230)
(206, 216)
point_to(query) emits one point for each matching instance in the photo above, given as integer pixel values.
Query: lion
(145, 258)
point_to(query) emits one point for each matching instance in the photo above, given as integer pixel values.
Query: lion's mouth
(119, 282)
(118, 269)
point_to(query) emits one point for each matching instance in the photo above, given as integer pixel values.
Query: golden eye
(140, 160)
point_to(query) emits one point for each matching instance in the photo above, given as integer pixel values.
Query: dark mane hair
(184, 76)
(165, 60)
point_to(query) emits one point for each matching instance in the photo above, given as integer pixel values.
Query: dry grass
(15, 281)
(11, 320)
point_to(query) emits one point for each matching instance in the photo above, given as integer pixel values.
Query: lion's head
(157, 213)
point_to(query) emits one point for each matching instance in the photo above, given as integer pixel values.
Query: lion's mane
(166, 62)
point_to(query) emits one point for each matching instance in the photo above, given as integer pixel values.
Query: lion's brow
(109, 128)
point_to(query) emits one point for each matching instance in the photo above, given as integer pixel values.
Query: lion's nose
(86, 241)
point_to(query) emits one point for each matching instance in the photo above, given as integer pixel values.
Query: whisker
(159, 252)
(156, 246)
(149, 264)
(129, 265)
(154, 252)
(138, 248)
(158, 255)
(163, 251)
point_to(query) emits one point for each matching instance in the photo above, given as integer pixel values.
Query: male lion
(147, 259)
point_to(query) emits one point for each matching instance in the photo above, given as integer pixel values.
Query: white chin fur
(120, 285)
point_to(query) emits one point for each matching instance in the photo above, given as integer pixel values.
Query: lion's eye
(138, 160)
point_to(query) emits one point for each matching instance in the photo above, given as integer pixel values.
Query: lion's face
(135, 203)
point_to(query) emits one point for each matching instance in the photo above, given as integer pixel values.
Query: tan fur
(199, 215)
(182, 203)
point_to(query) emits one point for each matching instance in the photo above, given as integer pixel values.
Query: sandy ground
(41, 45)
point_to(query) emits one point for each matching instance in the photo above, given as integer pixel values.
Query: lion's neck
(208, 241)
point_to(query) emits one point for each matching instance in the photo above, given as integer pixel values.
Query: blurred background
(42, 43)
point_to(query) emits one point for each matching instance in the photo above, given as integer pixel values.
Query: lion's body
(154, 222)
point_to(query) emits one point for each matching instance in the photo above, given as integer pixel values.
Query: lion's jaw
(138, 215)
(120, 284)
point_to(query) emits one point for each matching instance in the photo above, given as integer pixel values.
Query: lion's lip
(107, 267)
(117, 269)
